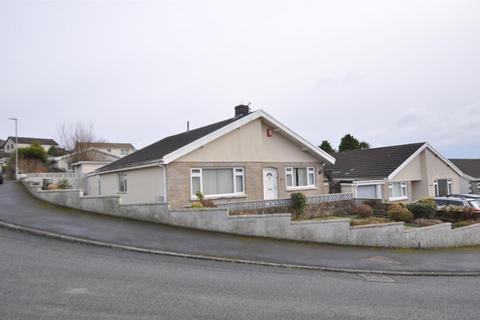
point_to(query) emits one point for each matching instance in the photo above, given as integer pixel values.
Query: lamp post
(16, 146)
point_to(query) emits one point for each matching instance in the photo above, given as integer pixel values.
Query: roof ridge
(384, 147)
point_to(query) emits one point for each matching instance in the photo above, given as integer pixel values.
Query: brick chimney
(241, 111)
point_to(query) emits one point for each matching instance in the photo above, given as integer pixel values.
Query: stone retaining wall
(280, 226)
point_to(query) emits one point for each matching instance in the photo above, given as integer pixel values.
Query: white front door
(270, 190)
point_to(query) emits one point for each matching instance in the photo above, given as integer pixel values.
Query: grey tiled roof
(375, 163)
(470, 167)
(165, 146)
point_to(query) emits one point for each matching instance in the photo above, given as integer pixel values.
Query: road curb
(58, 236)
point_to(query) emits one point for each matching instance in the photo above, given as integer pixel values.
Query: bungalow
(251, 156)
(396, 173)
(23, 142)
(471, 170)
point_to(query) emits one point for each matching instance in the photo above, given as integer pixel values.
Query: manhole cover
(375, 277)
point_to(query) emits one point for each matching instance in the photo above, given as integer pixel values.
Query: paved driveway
(17, 206)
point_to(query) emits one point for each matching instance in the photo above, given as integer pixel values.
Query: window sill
(398, 199)
(301, 188)
(122, 192)
(221, 196)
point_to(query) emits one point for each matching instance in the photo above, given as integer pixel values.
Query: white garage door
(367, 192)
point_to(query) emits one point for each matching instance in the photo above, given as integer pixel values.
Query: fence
(263, 204)
(50, 175)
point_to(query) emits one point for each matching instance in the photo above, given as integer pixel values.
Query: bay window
(398, 190)
(300, 177)
(217, 181)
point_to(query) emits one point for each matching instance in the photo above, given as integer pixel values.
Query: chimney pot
(241, 111)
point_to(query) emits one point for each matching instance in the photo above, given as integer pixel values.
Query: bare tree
(78, 139)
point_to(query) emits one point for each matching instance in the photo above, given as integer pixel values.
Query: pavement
(42, 278)
(19, 208)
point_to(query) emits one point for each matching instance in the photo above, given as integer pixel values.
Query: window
(300, 177)
(398, 190)
(122, 182)
(217, 181)
(443, 187)
(478, 185)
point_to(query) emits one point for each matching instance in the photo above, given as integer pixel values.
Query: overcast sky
(389, 72)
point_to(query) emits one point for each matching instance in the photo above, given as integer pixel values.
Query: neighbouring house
(84, 162)
(117, 149)
(24, 142)
(251, 156)
(471, 170)
(4, 157)
(1, 144)
(396, 173)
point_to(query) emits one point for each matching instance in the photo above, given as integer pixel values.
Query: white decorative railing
(262, 204)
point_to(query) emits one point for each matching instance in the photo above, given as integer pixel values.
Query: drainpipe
(165, 186)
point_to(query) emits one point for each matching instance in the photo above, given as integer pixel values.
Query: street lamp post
(16, 146)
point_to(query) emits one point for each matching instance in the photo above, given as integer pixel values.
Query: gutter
(146, 165)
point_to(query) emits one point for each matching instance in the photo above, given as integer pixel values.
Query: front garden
(421, 213)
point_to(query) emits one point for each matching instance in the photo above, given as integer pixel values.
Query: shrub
(63, 184)
(56, 152)
(196, 205)
(424, 208)
(363, 211)
(299, 202)
(457, 213)
(398, 212)
(34, 151)
(200, 196)
(205, 203)
(369, 220)
(463, 223)
(208, 203)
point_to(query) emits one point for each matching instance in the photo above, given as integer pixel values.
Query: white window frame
(289, 171)
(236, 172)
(449, 186)
(478, 186)
(125, 186)
(403, 191)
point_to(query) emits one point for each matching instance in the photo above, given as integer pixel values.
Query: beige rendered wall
(421, 173)
(438, 169)
(85, 168)
(92, 185)
(250, 143)
(144, 185)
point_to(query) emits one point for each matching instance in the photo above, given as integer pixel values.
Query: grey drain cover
(375, 277)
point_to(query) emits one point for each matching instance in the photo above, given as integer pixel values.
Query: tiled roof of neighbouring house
(107, 145)
(470, 167)
(375, 163)
(41, 141)
(165, 146)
